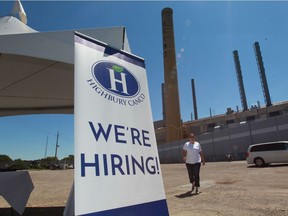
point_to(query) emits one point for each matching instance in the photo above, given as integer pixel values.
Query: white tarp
(10, 25)
(117, 169)
(36, 68)
(15, 188)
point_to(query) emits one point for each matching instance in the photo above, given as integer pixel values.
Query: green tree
(48, 162)
(5, 158)
(18, 164)
(68, 160)
(5, 161)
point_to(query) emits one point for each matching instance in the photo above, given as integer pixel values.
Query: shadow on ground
(268, 166)
(185, 195)
(34, 211)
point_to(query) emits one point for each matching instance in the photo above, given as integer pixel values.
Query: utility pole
(56, 147)
(46, 148)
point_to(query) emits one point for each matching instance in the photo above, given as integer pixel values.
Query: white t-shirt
(193, 151)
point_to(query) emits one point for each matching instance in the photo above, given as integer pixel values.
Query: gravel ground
(227, 189)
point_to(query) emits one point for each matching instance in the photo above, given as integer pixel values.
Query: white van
(266, 153)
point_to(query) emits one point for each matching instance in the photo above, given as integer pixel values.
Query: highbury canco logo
(115, 83)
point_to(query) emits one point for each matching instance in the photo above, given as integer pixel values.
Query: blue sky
(206, 34)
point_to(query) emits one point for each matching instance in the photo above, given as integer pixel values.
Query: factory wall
(233, 139)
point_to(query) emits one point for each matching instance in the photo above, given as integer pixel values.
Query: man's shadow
(187, 194)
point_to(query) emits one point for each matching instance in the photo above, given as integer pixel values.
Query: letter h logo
(120, 80)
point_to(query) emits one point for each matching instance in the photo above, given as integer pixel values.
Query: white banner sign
(117, 169)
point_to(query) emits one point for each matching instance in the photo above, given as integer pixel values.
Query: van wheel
(259, 162)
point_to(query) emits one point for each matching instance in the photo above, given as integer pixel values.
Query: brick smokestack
(172, 104)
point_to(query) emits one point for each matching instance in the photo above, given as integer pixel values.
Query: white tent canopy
(36, 68)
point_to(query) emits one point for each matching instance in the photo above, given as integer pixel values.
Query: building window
(250, 118)
(273, 114)
(230, 121)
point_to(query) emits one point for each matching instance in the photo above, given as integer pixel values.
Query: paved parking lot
(227, 189)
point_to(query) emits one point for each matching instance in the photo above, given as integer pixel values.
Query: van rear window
(269, 147)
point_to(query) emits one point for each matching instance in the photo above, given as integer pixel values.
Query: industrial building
(231, 132)
(219, 122)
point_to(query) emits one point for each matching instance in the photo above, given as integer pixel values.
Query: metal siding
(235, 140)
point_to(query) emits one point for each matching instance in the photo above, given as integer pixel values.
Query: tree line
(7, 164)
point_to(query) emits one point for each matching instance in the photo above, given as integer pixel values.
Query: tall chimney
(194, 100)
(240, 80)
(261, 69)
(171, 99)
(163, 101)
